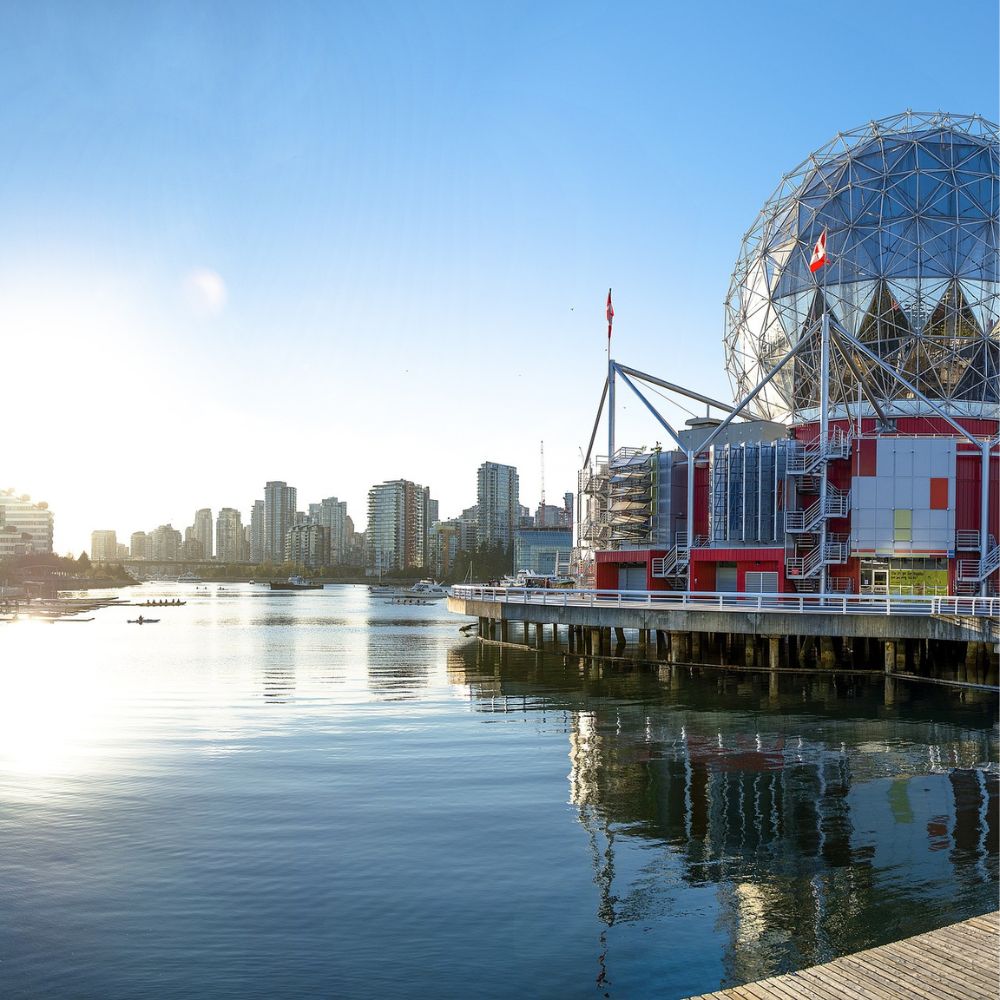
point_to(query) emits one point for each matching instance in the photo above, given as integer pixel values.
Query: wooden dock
(959, 962)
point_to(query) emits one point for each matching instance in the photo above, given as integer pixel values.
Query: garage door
(725, 579)
(762, 583)
(632, 577)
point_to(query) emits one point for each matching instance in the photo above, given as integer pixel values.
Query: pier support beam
(696, 647)
(774, 651)
(680, 648)
(806, 644)
(827, 653)
(539, 635)
(595, 642)
(890, 656)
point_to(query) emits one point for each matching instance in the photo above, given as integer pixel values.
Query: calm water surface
(319, 794)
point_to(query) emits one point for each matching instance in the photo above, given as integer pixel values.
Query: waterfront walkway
(959, 962)
(884, 617)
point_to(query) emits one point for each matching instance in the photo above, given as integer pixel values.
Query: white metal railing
(991, 563)
(834, 553)
(968, 541)
(971, 541)
(844, 604)
(806, 457)
(838, 504)
(972, 570)
(675, 562)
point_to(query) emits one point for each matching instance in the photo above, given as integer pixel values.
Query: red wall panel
(866, 457)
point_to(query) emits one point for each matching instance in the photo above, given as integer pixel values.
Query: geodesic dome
(910, 206)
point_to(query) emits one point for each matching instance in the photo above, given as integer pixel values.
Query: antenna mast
(543, 479)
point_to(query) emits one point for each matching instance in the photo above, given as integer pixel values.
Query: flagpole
(824, 420)
(611, 411)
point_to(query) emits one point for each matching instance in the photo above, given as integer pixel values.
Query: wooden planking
(960, 962)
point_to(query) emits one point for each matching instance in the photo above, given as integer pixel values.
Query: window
(902, 526)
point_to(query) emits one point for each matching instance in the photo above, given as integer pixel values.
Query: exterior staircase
(809, 545)
(674, 565)
(974, 571)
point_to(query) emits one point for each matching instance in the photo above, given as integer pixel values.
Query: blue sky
(336, 244)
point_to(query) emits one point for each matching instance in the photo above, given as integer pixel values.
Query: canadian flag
(611, 313)
(819, 253)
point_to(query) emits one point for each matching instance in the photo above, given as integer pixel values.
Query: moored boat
(296, 583)
(426, 590)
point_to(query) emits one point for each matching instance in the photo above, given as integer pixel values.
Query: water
(318, 794)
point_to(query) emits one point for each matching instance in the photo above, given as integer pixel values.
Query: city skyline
(312, 511)
(238, 239)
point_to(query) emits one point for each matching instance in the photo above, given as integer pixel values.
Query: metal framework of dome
(910, 205)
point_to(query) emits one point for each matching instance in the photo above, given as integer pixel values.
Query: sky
(335, 244)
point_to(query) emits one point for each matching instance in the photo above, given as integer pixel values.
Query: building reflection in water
(399, 654)
(825, 829)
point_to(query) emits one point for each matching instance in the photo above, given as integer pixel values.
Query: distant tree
(83, 562)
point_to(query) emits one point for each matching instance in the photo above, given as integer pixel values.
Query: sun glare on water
(53, 708)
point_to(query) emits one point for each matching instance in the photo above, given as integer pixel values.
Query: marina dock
(958, 962)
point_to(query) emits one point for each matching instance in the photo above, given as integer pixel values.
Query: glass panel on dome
(932, 155)
(975, 251)
(937, 196)
(900, 257)
(983, 298)
(906, 294)
(866, 253)
(854, 298)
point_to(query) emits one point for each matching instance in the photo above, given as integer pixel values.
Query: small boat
(143, 621)
(189, 578)
(296, 583)
(430, 590)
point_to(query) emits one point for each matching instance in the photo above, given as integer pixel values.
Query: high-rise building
(279, 515)
(229, 537)
(499, 507)
(332, 514)
(307, 545)
(445, 544)
(165, 542)
(203, 530)
(551, 516)
(103, 546)
(140, 545)
(191, 548)
(468, 534)
(257, 532)
(355, 544)
(397, 525)
(25, 527)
